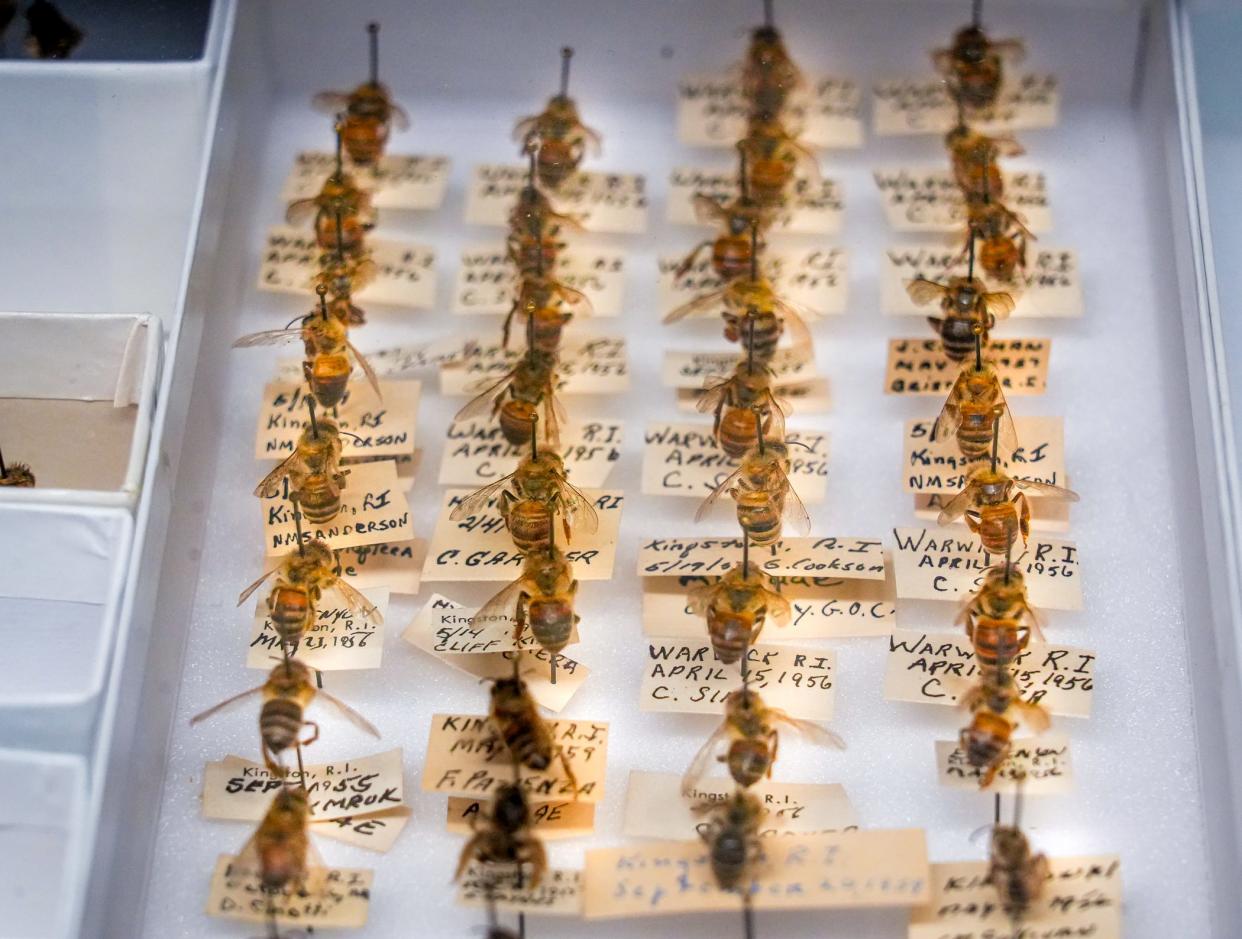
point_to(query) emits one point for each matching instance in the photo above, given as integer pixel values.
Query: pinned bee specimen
(548, 305)
(964, 302)
(517, 723)
(764, 496)
(995, 507)
(744, 405)
(558, 134)
(769, 75)
(517, 397)
(330, 356)
(741, 221)
(15, 475)
(341, 272)
(338, 198)
(535, 227)
(974, 66)
(750, 727)
(737, 607)
(976, 410)
(732, 837)
(287, 693)
(999, 620)
(370, 112)
(774, 160)
(313, 471)
(1017, 872)
(542, 598)
(280, 852)
(301, 580)
(1002, 239)
(997, 708)
(974, 157)
(505, 837)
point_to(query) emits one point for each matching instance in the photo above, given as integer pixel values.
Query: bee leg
(569, 770)
(314, 733)
(467, 855)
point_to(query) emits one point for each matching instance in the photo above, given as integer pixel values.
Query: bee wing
(503, 605)
(525, 127)
(950, 418)
(357, 602)
(789, 309)
(349, 713)
(780, 610)
(247, 860)
(245, 594)
(579, 511)
(269, 486)
(794, 512)
(483, 401)
(372, 378)
(478, 499)
(725, 485)
(1046, 490)
(700, 597)
(576, 300)
(923, 291)
(300, 211)
(400, 119)
(1008, 433)
(330, 102)
(816, 733)
(227, 702)
(1007, 145)
(956, 506)
(713, 395)
(1000, 304)
(806, 162)
(1035, 717)
(707, 209)
(698, 766)
(364, 272)
(268, 337)
(706, 303)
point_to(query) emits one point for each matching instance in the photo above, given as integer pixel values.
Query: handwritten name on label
(461, 630)
(815, 206)
(486, 279)
(940, 668)
(1046, 514)
(943, 565)
(376, 426)
(404, 273)
(373, 509)
(823, 608)
(238, 789)
(712, 111)
(655, 807)
(816, 279)
(477, 453)
(687, 678)
(535, 666)
(602, 202)
(1049, 288)
(937, 465)
(399, 181)
(559, 892)
(479, 547)
(920, 367)
(339, 639)
(684, 460)
(868, 868)
(846, 558)
(1081, 897)
(810, 397)
(551, 820)
(923, 106)
(337, 897)
(466, 758)
(397, 565)
(928, 199)
(699, 370)
(1035, 766)
(592, 366)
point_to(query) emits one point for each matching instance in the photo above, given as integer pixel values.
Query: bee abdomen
(280, 720)
(749, 761)
(552, 622)
(728, 855)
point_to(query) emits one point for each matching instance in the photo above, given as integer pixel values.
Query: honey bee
(765, 499)
(965, 303)
(342, 273)
(999, 620)
(753, 313)
(505, 837)
(996, 707)
(517, 396)
(534, 227)
(313, 471)
(557, 133)
(732, 837)
(301, 580)
(774, 158)
(548, 306)
(280, 851)
(1002, 239)
(370, 112)
(750, 726)
(974, 155)
(736, 608)
(742, 220)
(516, 720)
(16, 475)
(339, 209)
(1017, 873)
(769, 75)
(973, 67)
(995, 507)
(976, 412)
(744, 406)
(543, 598)
(288, 691)
(330, 356)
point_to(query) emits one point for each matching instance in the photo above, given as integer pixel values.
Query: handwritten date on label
(376, 426)
(815, 206)
(700, 370)
(336, 897)
(339, 639)
(399, 181)
(933, 463)
(930, 200)
(486, 279)
(847, 558)
(477, 453)
(817, 279)
(940, 668)
(712, 111)
(943, 565)
(1035, 766)
(920, 367)
(602, 202)
(923, 106)
(592, 366)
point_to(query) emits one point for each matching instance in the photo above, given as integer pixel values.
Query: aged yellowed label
(487, 279)
(559, 892)
(371, 426)
(848, 558)
(1035, 766)
(920, 367)
(816, 279)
(397, 565)
(814, 206)
(923, 106)
(477, 453)
(336, 897)
(601, 202)
(341, 638)
(932, 463)
(551, 821)
(398, 181)
(928, 199)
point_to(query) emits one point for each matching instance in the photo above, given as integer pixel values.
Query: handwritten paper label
(373, 509)
(923, 106)
(684, 460)
(477, 453)
(942, 565)
(687, 678)
(1081, 897)
(930, 200)
(375, 831)
(1035, 766)
(339, 898)
(712, 111)
(937, 465)
(559, 892)
(940, 668)
(848, 558)
(697, 370)
(814, 207)
(823, 608)
(404, 273)
(398, 181)
(466, 758)
(339, 639)
(397, 565)
(371, 425)
(535, 668)
(920, 367)
(841, 870)
(486, 279)
(462, 630)
(1050, 287)
(479, 547)
(551, 820)
(590, 366)
(817, 279)
(655, 807)
(810, 397)
(1046, 514)
(602, 202)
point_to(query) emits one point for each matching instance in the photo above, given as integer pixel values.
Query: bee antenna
(799, 443)
(566, 55)
(373, 42)
(348, 434)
